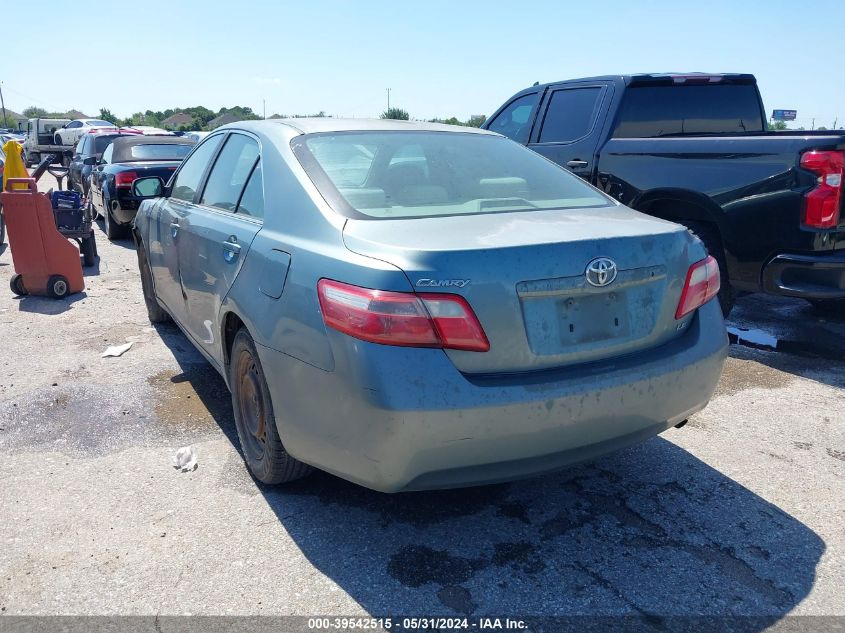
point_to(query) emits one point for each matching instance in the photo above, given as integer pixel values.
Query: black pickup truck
(695, 149)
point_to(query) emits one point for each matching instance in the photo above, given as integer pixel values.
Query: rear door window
(230, 172)
(570, 115)
(515, 120)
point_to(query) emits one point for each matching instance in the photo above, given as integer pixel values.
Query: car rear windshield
(672, 110)
(102, 123)
(159, 152)
(426, 174)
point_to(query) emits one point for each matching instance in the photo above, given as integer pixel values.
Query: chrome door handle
(174, 229)
(576, 164)
(231, 249)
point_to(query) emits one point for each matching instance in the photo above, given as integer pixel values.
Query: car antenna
(536, 83)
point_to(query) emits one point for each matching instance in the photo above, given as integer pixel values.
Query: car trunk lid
(524, 276)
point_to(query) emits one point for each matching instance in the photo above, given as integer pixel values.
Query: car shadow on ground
(125, 242)
(649, 532)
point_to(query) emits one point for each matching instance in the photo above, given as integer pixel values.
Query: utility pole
(3, 104)
(388, 99)
(264, 108)
(813, 124)
(834, 122)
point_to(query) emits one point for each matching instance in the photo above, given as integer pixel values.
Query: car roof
(125, 140)
(329, 124)
(643, 78)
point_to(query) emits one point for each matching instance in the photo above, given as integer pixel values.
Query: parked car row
(387, 261)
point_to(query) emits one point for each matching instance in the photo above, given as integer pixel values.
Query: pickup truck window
(570, 115)
(515, 120)
(653, 111)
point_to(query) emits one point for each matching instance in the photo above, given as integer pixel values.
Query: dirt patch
(741, 374)
(196, 399)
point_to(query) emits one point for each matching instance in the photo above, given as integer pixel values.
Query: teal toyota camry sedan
(413, 306)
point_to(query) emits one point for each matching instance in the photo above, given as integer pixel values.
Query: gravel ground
(738, 513)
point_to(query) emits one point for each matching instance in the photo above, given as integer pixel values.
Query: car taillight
(701, 285)
(125, 178)
(401, 318)
(821, 204)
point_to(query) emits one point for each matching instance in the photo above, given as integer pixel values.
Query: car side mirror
(91, 160)
(150, 187)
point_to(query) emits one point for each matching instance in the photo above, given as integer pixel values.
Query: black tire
(263, 451)
(16, 284)
(58, 286)
(155, 312)
(114, 231)
(88, 246)
(57, 140)
(709, 234)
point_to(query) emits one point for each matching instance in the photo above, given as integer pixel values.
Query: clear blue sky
(439, 58)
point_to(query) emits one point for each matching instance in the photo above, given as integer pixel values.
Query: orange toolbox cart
(46, 263)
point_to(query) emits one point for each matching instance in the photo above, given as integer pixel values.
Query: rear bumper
(809, 276)
(393, 418)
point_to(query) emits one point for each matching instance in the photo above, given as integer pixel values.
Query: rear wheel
(58, 287)
(155, 312)
(114, 231)
(263, 451)
(16, 284)
(709, 234)
(57, 140)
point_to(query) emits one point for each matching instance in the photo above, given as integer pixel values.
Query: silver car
(413, 306)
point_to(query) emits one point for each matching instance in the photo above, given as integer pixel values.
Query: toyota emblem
(601, 272)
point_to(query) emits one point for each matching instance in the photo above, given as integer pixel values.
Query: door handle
(231, 249)
(577, 164)
(174, 229)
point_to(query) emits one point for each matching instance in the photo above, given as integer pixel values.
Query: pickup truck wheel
(709, 234)
(262, 448)
(155, 312)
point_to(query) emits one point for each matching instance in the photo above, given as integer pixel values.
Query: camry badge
(601, 272)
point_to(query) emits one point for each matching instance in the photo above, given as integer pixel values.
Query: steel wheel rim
(60, 287)
(252, 413)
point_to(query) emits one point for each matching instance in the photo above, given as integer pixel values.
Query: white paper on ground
(185, 459)
(116, 350)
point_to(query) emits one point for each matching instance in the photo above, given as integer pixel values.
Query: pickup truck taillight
(821, 204)
(401, 318)
(125, 178)
(701, 285)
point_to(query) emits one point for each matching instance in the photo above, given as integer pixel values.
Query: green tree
(395, 113)
(777, 125)
(107, 115)
(34, 112)
(476, 120)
